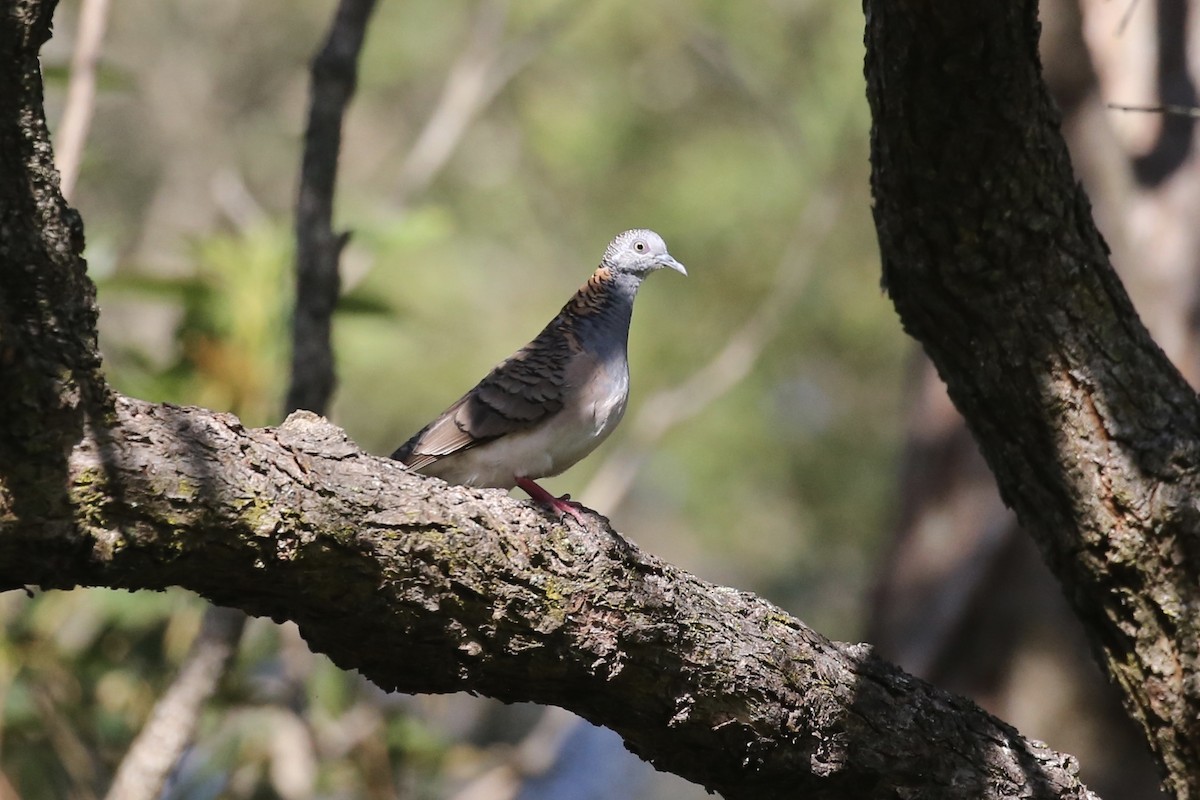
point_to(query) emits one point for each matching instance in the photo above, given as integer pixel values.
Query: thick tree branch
(425, 587)
(994, 264)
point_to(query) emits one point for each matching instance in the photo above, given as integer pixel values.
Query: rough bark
(429, 588)
(965, 599)
(49, 367)
(318, 247)
(994, 264)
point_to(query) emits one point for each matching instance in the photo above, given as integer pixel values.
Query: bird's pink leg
(560, 504)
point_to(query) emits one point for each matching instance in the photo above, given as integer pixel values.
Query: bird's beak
(668, 261)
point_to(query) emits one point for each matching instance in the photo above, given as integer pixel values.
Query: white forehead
(623, 241)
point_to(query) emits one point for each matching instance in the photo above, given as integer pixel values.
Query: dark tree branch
(995, 265)
(425, 587)
(318, 248)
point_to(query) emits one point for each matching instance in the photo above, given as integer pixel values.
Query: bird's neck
(602, 308)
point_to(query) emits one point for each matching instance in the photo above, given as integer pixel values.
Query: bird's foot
(563, 505)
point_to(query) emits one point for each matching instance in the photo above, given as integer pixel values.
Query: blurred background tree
(491, 151)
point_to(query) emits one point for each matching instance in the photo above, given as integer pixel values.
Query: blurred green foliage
(230, 341)
(715, 123)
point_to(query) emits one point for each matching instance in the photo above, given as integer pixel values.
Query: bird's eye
(639, 246)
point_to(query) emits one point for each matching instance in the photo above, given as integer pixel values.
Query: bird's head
(639, 252)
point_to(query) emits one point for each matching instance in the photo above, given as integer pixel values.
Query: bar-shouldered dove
(557, 398)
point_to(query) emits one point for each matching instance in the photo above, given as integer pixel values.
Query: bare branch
(535, 754)
(478, 75)
(1126, 16)
(144, 769)
(334, 77)
(1171, 110)
(78, 761)
(81, 92)
(7, 790)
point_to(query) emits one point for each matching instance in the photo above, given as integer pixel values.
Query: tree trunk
(994, 264)
(964, 598)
